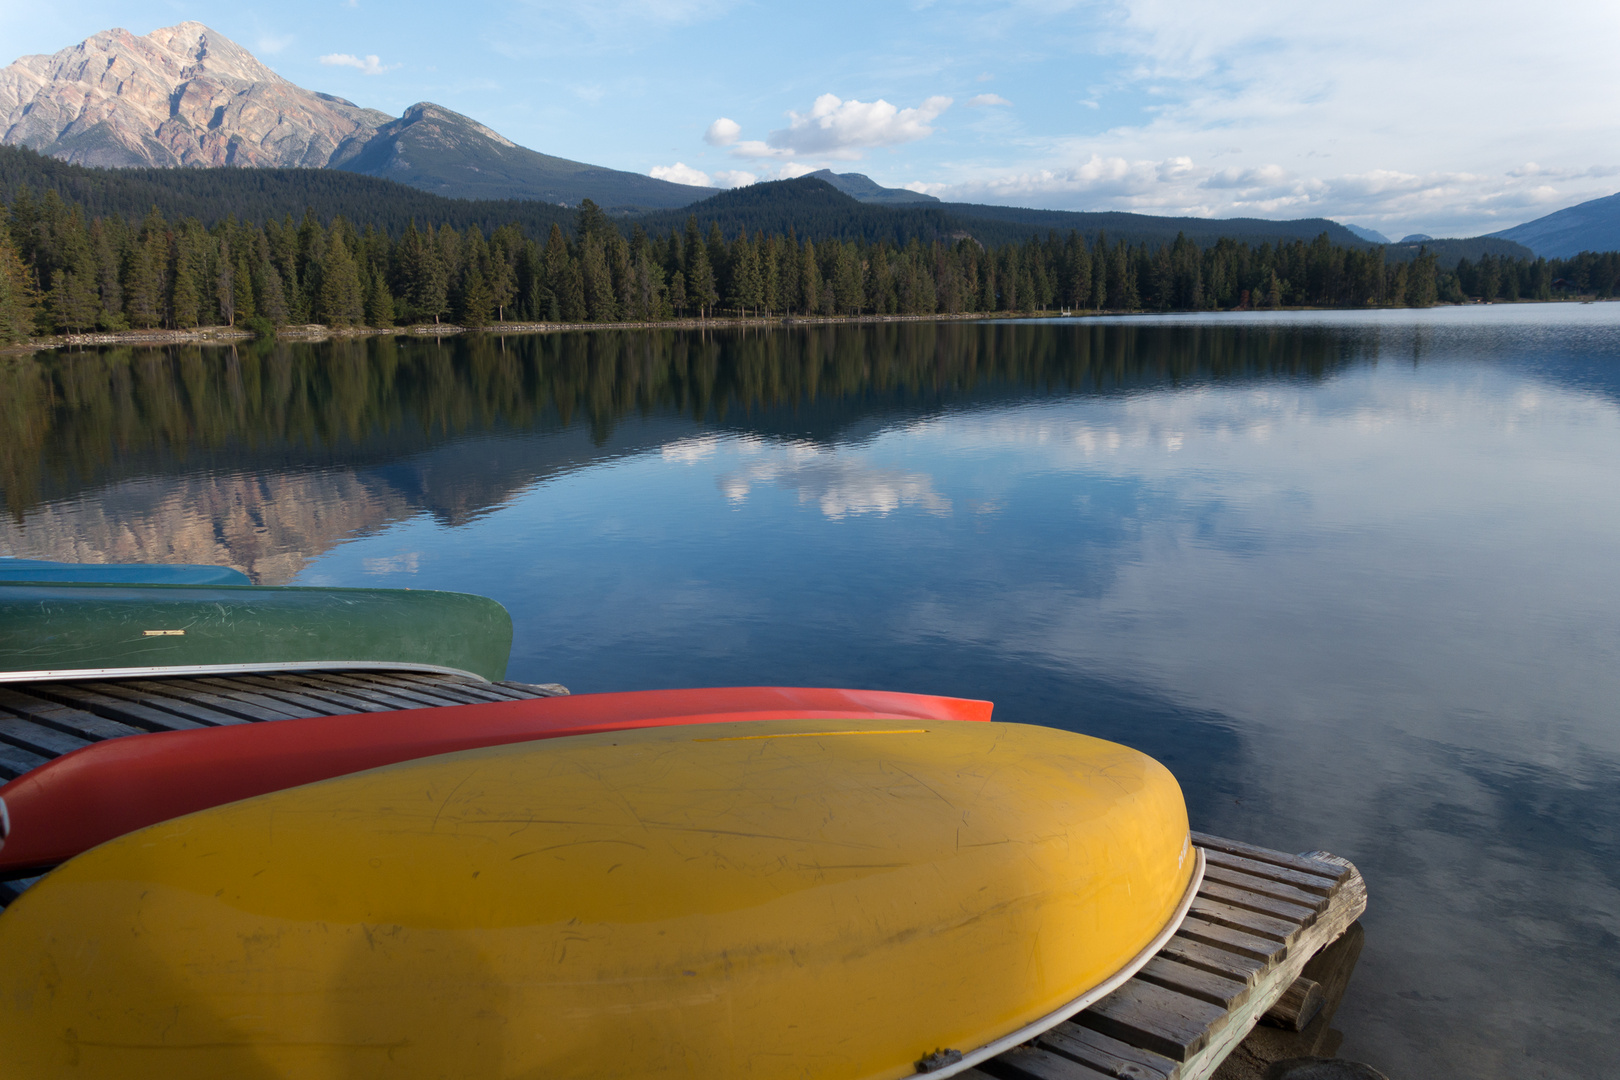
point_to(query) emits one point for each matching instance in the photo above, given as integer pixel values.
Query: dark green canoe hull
(111, 630)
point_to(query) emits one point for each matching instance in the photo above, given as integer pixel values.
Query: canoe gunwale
(99, 674)
(1052, 1019)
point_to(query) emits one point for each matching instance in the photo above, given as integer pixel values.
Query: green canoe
(57, 629)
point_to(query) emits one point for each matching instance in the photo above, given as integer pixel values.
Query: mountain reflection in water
(346, 437)
(1351, 576)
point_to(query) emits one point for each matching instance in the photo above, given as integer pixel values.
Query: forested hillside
(63, 269)
(808, 207)
(259, 195)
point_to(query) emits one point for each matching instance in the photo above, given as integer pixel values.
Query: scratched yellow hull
(737, 900)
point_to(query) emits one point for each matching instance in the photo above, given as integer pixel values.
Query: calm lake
(1355, 578)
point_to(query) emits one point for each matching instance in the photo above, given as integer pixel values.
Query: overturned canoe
(773, 898)
(104, 790)
(111, 630)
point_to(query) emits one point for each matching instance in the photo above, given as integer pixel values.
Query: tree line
(62, 271)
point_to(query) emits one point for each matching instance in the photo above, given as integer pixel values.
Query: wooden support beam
(1297, 1007)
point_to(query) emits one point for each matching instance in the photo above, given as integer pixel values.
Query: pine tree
(242, 297)
(600, 303)
(341, 301)
(104, 244)
(224, 280)
(810, 290)
(591, 223)
(268, 292)
(677, 292)
(476, 302)
(425, 278)
(849, 290)
(700, 281)
(18, 307)
(746, 289)
(145, 282)
(379, 303)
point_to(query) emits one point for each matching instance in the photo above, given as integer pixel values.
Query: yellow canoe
(785, 898)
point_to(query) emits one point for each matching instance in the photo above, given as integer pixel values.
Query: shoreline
(312, 332)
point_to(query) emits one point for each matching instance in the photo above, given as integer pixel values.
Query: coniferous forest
(63, 270)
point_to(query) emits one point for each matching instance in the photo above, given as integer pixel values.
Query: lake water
(1354, 577)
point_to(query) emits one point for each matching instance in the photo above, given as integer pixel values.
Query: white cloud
(837, 485)
(838, 129)
(753, 148)
(723, 132)
(1320, 97)
(367, 65)
(980, 100)
(1263, 176)
(272, 43)
(681, 173)
(794, 169)
(406, 563)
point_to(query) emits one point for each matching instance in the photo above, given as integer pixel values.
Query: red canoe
(107, 789)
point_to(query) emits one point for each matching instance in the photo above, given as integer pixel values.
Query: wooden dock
(1259, 917)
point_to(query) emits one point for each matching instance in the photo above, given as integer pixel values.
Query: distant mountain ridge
(434, 149)
(863, 188)
(1372, 236)
(1589, 226)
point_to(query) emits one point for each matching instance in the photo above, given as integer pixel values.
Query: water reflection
(1350, 577)
(348, 437)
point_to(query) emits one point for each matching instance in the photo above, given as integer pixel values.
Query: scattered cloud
(839, 129)
(690, 451)
(273, 43)
(723, 132)
(408, 562)
(367, 65)
(754, 148)
(1247, 179)
(682, 173)
(981, 100)
(838, 486)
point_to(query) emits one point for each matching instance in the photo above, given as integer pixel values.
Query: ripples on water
(1352, 577)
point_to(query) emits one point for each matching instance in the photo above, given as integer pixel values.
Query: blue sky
(1427, 116)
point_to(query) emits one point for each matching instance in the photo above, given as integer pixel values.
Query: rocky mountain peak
(189, 95)
(181, 95)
